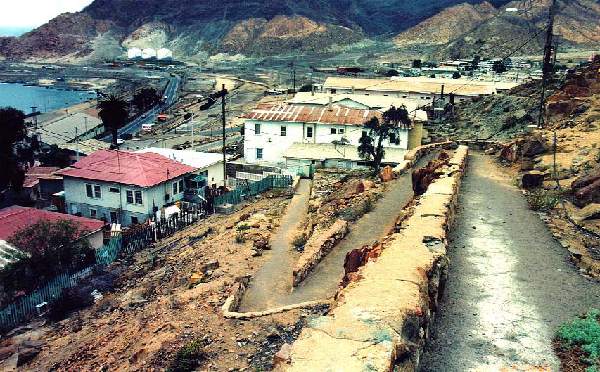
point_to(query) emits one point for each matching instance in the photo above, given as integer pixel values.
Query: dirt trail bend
(510, 284)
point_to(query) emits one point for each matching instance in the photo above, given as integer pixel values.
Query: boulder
(533, 146)
(587, 194)
(283, 355)
(261, 243)
(527, 165)
(532, 179)
(589, 212)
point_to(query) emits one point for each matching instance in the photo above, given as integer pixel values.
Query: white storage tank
(164, 53)
(133, 53)
(148, 53)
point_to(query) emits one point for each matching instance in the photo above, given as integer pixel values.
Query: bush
(240, 237)
(242, 227)
(542, 200)
(189, 357)
(583, 332)
(71, 299)
(300, 241)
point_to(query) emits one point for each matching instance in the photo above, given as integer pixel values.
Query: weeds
(300, 241)
(240, 237)
(243, 227)
(189, 357)
(542, 200)
(583, 332)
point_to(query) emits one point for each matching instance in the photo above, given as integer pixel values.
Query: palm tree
(114, 114)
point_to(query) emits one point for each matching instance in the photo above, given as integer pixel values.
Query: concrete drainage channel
(381, 321)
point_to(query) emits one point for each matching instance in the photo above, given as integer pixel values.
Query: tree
(114, 114)
(145, 98)
(51, 248)
(377, 131)
(13, 130)
(456, 75)
(499, 67)
(55, 157)
(416, 63)
(306, 88)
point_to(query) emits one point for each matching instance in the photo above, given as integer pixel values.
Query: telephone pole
(548, 67)
(223, 95)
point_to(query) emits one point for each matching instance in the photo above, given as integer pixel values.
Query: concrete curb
(381, 321)
(233, 301)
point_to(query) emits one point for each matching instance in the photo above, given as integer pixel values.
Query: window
(134, 220)
(259, 153)
(283, 131)
(113, 217)
(138, 198)
(129, 195)
(257, 129)
(93, 213)
(333, 131)
(364, 133)
(309, 132)
(341, 131)
(93, 191)
(175, 191)
(181, 186)
(113, 189)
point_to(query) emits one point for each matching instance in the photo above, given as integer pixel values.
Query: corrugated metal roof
(33, 175)
(188, 157)
(13, 219)
(128, 168)
(306, 114)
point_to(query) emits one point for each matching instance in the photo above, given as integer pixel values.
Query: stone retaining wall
(317, 248)
(382, 319)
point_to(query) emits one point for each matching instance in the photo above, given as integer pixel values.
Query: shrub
(240, 237)
(71, 299)
(189, 357)
(300, 241)
(542, 200)
(242, 227)
(583, 332)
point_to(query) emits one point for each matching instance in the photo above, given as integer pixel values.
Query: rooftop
(418, 85)
(67, 128)
(188, 157)
(86, 147)
(369, 102)
(33, 175)
(128, 168)
(15, 218)
(323, 151)
(291, 113)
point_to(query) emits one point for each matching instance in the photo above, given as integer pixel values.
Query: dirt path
(510, 283)
(273, 282)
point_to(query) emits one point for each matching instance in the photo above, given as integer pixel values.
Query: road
(150, 116)
(510, 283)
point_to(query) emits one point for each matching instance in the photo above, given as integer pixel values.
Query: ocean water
(22, 97)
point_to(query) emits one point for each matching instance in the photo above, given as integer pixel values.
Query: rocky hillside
(464, 30)
(250, 27)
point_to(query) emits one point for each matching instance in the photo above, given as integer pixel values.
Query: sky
(23, 15)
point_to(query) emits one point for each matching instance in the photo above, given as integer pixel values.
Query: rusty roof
(336, 115)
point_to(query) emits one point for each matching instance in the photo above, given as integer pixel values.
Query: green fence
(27, 307)
(254, 188)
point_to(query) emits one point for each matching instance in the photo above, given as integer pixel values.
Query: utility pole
(294, 78)
(223, 94)
(192, 122)
(548, 67)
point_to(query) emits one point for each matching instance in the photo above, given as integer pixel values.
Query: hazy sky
(33, 13)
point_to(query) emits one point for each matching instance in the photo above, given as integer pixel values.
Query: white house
(123, 187)
(421, 89)
(271, 129)
(208, 165)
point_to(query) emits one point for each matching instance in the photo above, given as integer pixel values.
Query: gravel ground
(510, 283)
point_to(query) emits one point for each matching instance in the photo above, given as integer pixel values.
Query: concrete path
(510, 283)
(273, 281)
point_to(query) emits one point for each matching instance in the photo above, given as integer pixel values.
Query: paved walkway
(510, 283)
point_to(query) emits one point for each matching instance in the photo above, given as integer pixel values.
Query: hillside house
(123, 187)
(15, 218)
(271, 129)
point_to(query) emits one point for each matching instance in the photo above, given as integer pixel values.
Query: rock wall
(318, 248)
(381, 320)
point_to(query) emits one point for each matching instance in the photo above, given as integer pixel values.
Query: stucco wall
(381, 320)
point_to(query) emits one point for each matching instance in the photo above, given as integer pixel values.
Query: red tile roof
(33, 175)
(129, 168)
(336, 115)
(13, 219)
